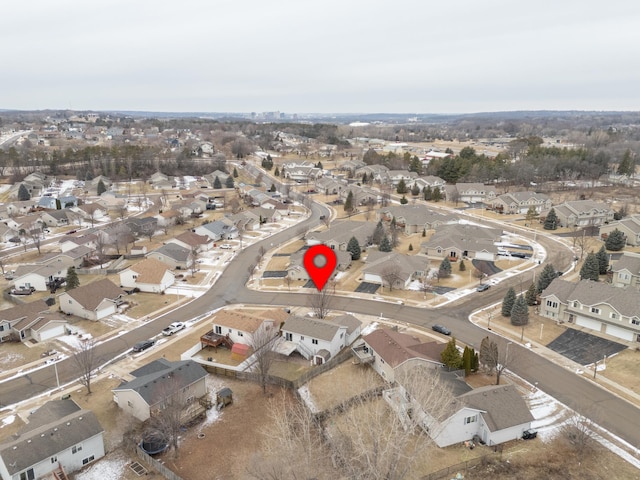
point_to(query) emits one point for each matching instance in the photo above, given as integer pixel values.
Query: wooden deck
(211, 339)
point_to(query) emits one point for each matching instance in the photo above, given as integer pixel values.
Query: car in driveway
(529, 434)
(441, 329)
(483, 287)
(175, 327)
(22, 291)
(143, 345)
(226, 246)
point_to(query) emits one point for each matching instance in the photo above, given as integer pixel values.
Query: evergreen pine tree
(23, 193)
(402, 187)
(508, 301)
(217, 184)
(603, 260)
(385, 244)
(378, 233)
(547, 276)
(462, 267)
(627, 164)
(101, 188)
(590, 268)
(72, 280)
(348, 203)
(551, 221)
(235, 172)
(436, 196)
(403, 200)
(411, 247)
(427, 193)
(424, 232)
(531, 295)
(273, 189)
(276, 172)
(229, 182)
(467, 360)
(476, 362)
(520, 312)
(450, 356)
(488, 354)
(353, 247)
(615, 241)
(445, 268)
(415, 190)
(364, 178)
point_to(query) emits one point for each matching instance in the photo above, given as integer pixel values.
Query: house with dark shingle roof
(148, 275)
(414, 218)
(394, 270)
(598, 306)
(93, 301)
(59, 436)
(153, 385)
(218, 230)
(338, 235)
(193, 241)
(173, 255)
(31, 320)
(317, 339)
(463, 241)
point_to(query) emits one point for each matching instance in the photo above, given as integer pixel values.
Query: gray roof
(174, 251)
(587, 292)
(628, 261)
(349, 321)
(91, 295)
(520, 197)
(160, 378)
(342, 231)
(416, 214)
(55, 427)
(502, 406)
(311, 327)
(464, 237)
(218, 227)
(404, 266)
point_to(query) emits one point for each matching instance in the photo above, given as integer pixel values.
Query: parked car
(483, 287)
(441, 329)
(226, 246)
(143, 345)
(529, 434)
(175, 327)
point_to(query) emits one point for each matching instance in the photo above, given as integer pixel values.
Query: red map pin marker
(319, 262)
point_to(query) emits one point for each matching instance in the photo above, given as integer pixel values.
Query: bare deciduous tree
(578, 432)
(86, 362)
(263, 342)
(391, 275)
(320, 302)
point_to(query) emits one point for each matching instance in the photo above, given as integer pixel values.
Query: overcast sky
(298, 56)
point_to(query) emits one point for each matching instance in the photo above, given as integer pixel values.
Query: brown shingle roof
(92, 294)
(396, 348)
(502, 405)
(149, 270)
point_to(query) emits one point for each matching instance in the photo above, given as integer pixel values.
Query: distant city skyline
(406, 56)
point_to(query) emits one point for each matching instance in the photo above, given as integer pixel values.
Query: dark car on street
(143, 345)
(441, 329)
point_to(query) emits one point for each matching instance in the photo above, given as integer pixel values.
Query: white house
(148, 275)
(93, 301)
(320, 340)
(40, 277)
(60, 437)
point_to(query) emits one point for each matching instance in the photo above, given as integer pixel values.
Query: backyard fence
(464, 467)
(151, 462)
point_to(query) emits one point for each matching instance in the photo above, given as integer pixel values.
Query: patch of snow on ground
(369, 328)
(11, 357)
(305, 394)
(75, 341)
(107, 468)
(8, 420)
(548, 414)
(212, 416)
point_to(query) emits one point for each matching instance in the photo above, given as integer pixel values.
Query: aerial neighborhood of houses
(115, 259)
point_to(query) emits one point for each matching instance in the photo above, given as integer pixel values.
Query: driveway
(584, 348)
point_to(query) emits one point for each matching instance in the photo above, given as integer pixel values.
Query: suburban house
(630, 226)
(296, 270)
(470, 193)
(626, 271)
(59, 218)
(91, 212)
(595, 305)
(394, 177)
(458, 241)
(301, 172)
(338, 235)
(69, 258)
(149, 275)
(40, 277)
(413, 218)
(430, 181)
(89, 240)
(434, 155)
(142, 226)
(319, 340)
(394, 270)
(20, 207)
(218, 230)
(155, 385)
(60, 438)
(361, 195)
(495, 414)
(372, 171)
(387, 350)
(583, 213)
(29, 321)
(521, 202)
(174, 256)
(193, 241)
(329, 186)
(93, 301)
(7, 232)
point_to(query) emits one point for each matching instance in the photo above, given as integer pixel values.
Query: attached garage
(372, 278)
(589, 323)
(620, 332)
(47, 329)
(484, 255)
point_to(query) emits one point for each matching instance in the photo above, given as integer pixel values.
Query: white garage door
(620, 332)
(484, 256)
(52, 332)
(372, 278)
(589, 323)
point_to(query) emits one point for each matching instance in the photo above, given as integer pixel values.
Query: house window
(635, 321)
(28, 475)
(240, 334)
(129, 403)
(87, 460)
(613, 315)
(595, 310)
(301, 338)
(288, 337)
(229, 330)
(314, 341)
(54, 459)
(76, 448)
(470, 419)
(190, 399)
(341, 334)
(552, 304)
(69, 302)
(218, 329)
(576, 304)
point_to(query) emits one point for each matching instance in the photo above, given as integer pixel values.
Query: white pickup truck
(175, 327)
